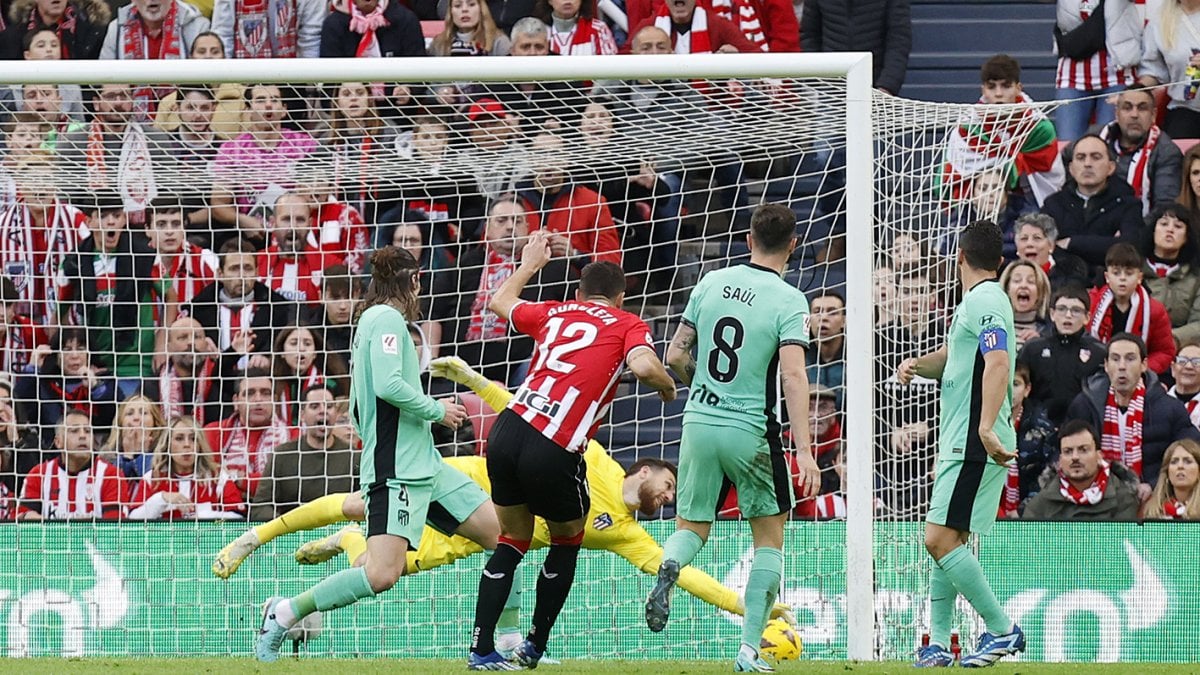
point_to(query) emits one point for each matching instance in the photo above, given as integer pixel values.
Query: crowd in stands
(180, 265)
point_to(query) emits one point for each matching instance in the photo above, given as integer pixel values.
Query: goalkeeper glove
(778, 611)
(456, 370)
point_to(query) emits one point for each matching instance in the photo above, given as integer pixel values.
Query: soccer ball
(780, 642)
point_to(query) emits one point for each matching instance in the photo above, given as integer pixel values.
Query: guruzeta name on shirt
(591, 310)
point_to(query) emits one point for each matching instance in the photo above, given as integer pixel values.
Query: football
(780, 642)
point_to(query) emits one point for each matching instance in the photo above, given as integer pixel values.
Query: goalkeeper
(611, 526)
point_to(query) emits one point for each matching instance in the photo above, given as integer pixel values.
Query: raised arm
(534, 257)
(679, 353)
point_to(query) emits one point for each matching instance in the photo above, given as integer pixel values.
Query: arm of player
(534, 257)
(996, 380)
(389, 384)
(679, 353)
(929, 365)
(794, 376)
(646, 367)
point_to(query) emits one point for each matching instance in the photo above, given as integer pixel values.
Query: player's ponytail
(394, 281)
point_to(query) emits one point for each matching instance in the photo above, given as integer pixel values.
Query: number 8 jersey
(581, 348)
(742, 315)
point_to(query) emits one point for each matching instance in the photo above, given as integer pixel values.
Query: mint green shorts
(712, 459)
(966, 495)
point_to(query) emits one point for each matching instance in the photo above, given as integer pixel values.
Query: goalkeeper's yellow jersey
(610, 525)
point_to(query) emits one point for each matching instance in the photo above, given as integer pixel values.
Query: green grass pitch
(287, 666)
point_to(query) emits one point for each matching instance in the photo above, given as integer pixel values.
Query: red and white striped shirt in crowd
(97, 491)
(214, 498)
(581, 348)
(1097, 72)
(747, 18)
(31, 254)
(188, 271)
(8, 505)
(297, 279)
(588, 37)
(17, 342)
(341, 236)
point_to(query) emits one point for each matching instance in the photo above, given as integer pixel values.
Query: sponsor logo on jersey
(987, 320)
(391, 343)
(602, 522)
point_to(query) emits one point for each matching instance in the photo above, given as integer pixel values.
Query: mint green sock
(682, 547)
(762, 587)
(341, 589)
(964, 571)
(510, 616)
(941, 607)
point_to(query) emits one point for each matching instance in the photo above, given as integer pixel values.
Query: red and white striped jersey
(297, 279)
(581, 347)
(188, 272)
(98, 491)
(1096, 72)
(211, 496)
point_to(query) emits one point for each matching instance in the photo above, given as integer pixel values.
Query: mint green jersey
(983, 322)
(742, 315)
(391, 413)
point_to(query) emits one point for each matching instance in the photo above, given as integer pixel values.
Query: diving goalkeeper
(616, 494)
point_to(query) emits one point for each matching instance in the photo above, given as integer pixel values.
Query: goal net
(181, 263)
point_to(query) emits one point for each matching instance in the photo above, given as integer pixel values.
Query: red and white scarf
(588, 37)
(292, 393)
(1121, 440)
(67, 25)
(1092, 495)
(1175, 509)
(171, 386)
(33, 271)
(265, 29)
(1138, 175)
(1192, 405)
(232, 319)
(366, 25)
(188, 272)
(747, 20)
(1138, 323)
(342, 235)
(486, 324)
(238, 458)
(695, 41)
(135, 171)
(1162, 269)
(135, 44)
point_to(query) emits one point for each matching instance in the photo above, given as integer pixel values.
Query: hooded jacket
(401, 37)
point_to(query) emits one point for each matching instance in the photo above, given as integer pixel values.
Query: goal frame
(857, 71)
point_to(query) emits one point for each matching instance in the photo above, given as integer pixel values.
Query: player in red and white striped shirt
(535, 460)
(76, 484)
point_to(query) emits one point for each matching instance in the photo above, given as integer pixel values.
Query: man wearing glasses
(1061, 362)
(1186, 371)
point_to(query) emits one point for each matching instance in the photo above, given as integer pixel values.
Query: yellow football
(780, 642)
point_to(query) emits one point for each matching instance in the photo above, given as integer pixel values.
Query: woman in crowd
(1172, 49)
(65, 377)
(79, 24)
(356, 139)
(1176, 496)
(574, 29)
(470, 31)
(1189, 190)
(302, 363)
(130, 446)
(184, 482)
(1028, 290)
(1036, 239)
(1172, 273)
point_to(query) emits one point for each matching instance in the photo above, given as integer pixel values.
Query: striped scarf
(1192, 405)
(1174, 509)
(1100, 326)
(695, 41)
(587, 37)
(135, 45)
(366, 25)
(239, 459)
(1129, 451)
(265, 29)
(1092, 495)
(67, 25)
(135, 169)
(1162, 269)
(747, 20)
(1138, 176)
(289, 398)
(190, 270)
(33, 271)
(484, 323)
(170, 387)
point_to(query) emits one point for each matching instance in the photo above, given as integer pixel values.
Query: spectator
(189, 383)
(883, 293)
(1189, 189)
(371, 28)
(1185, 370)
(580, 225)
(828, 448)
(79, 25)
(37, 232)
(228, 97)
(1131, 413)
(1035, 446)
(182, 268)
(1175, 496)
(20, 446)
(330, 323)
(1090, 71)
(184, 481)
(883, 28)
(987, 200)
(191, 148)
(245, 440)
(264, 29)
(470, 31)
(292, 266)
(470, 330)
(506, 13)
(1028, 290)
(697, 30)
(357, 139)
(1089, 486)
(77, 485)
(23, 134)
(1036, 237)
(316, 464)
(1062, 361)
(65, 377)
(772, 25)
(239, 313)
(19, 336)
(136, 429)
(530, 35)
(1147, 158)
(107, 285)
(153, 29)
(1168, 56)
(826, 357)
(59, 106)
(986, 140)
(412, 238)
(301, 363)
(1098, 209)
(1171, 274)
(574, 28)
(252, 170)
(337, 228)
(343, 426)
(1123, 305)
